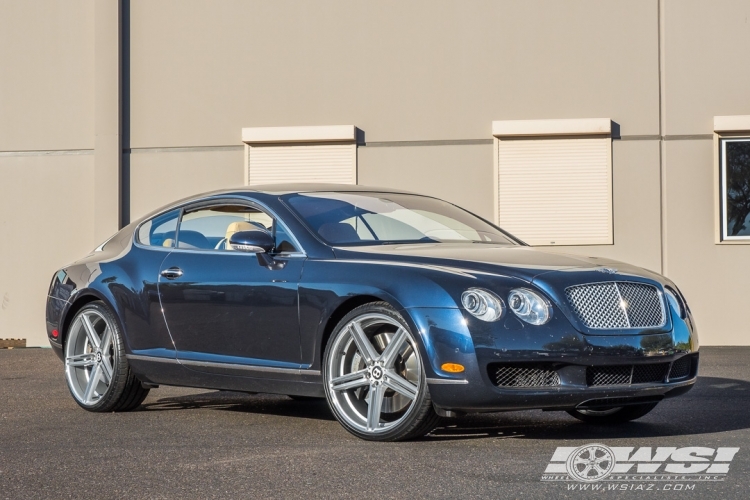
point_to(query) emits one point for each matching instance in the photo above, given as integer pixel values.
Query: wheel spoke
(366, 348)
(93, 382)
(106, 370)
(394, 381)
(392, 349)
(90, 332)
(349, 381)
(106, 340)
(373, 410)
(86, 359)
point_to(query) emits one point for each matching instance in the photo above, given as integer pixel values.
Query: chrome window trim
(207, 202)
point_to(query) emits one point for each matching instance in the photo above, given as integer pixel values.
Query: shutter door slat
(328, 163)
(556, 191)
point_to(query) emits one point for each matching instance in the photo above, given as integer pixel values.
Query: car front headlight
(675, 301)
(482, 304)
(529, 306)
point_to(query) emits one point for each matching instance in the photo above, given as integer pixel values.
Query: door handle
(172, 273)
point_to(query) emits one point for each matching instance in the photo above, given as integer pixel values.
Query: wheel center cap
(377, 373)
(98, 357)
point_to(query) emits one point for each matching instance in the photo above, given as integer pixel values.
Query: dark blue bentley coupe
(397, 308)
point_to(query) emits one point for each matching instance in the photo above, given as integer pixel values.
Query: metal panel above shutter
(273, 163)
(556, 190)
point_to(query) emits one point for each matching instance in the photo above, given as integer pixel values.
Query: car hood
(519, 261)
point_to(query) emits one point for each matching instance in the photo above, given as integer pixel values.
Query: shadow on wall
(668, 419)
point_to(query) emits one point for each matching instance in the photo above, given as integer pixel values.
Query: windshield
(344, 219)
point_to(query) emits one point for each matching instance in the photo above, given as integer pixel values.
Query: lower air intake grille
(646, 374)
(626, 374)
(523, 376)
(681, 368)
(608, 375)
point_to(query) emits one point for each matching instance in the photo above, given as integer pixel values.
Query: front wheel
(96, 369)
(374, 378)
(613, 415)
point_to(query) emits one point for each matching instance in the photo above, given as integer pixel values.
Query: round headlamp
(529, 306)
(482, 304)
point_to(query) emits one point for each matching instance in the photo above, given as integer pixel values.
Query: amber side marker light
(452, 367)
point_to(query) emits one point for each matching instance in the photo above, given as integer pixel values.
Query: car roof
(302, 187)
(274, 190)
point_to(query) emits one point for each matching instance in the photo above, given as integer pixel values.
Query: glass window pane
(382, 218)
(210, 228)
(737, 182)
(160, 230)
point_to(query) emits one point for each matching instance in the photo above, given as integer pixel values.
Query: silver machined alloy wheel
(96, 369)
(89, 357)
(374, 378)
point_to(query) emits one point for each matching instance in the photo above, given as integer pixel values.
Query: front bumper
(573, 361)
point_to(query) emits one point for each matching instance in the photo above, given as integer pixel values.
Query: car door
(222, 308)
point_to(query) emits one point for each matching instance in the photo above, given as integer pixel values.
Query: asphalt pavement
(190, 443)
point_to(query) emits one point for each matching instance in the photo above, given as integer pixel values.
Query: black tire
(417, 420)
(124, 392)
(620, 416)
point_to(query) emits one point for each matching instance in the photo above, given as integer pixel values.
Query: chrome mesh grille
(626, 374)
(614, 305)
(520, 376)
(608, 375)
(645, 374)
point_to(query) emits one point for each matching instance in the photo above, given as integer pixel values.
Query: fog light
(452, 367)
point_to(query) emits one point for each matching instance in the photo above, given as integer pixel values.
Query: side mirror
(258, 242)
(251, 241)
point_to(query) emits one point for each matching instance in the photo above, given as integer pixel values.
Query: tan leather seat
(169, 242)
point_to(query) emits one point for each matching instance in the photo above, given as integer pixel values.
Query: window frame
(724, 236)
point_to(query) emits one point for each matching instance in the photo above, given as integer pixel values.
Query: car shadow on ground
(694, 413)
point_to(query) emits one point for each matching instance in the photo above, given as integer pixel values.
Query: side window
(212, 227)
(159, 231)
(735, 188)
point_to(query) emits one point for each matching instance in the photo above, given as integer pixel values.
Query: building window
(735, 188)
(554, 180)
(276, 155)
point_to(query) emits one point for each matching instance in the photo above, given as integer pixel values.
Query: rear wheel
(96, 369)
(374, 379)
(613, 415)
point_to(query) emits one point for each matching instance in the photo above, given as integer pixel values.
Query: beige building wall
(400, 71)
(161, 177)
(706, 75)
(46, 219)
(46, 153)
